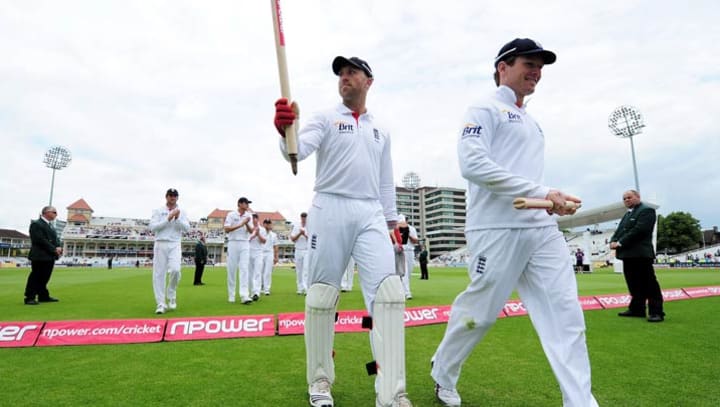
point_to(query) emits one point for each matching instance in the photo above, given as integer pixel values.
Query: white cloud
(149, 95)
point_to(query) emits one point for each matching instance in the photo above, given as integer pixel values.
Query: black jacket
(44, 240)
(634, 233)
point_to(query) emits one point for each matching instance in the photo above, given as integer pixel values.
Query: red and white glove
(284, 115)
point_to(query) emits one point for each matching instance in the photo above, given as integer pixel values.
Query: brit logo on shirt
(472, 130)
(313, 241)
(344, 128)
(376, 135)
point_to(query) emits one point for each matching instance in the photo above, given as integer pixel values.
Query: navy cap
(340, 62)
(524, 46)
(244, 200)
(172, 191)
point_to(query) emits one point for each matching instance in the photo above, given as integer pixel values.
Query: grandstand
(90, 240)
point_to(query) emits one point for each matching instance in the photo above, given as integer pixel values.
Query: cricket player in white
(168, 224)
(351, 215)
(298, 235)
(501, 154)
(257, 241)
(238, 226)
(270, 256)
(410, 239)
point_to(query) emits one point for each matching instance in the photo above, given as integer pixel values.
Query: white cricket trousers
(301, 270)
(409, 251)
(166, 260)
(536, 262)
(347, 280)
(256, 270)
(268, 262)
(238, 265)
(341, 227)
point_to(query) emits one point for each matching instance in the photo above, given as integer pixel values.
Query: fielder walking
(238, 226)
(500, 151)
(270, 256)
(351, 215)
(168, 224)
(409, 238)
(257, 241)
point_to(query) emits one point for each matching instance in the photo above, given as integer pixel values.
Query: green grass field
(635, 363)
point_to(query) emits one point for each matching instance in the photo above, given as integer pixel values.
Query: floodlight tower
(625, 122)
(57, 158)
(411, 181)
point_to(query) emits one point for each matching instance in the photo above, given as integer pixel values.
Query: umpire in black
(44, 250)
(632, 242)
(201, 254)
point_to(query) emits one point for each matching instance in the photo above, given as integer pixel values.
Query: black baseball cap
(524, 46)
(266, 220)
(172, 191)
(303, 215)
(244, 200)
(340, 62)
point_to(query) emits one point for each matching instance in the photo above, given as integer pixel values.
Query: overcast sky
(154, 94)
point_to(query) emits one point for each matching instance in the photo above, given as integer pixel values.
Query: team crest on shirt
(472, 130)
(480, 267)
(376, 135)
(344, 127)
(313, 241)
(513, 117)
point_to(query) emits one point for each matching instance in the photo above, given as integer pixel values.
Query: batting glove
(284, 115)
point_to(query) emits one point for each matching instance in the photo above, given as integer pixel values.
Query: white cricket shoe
(160, 309)
(400, 400)
(231, 300)
(319, 393)
(448, 397)
(172, 305)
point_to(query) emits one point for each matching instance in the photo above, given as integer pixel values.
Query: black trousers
(199, 269)
(40, 272)
(423, 271)
(643, 286)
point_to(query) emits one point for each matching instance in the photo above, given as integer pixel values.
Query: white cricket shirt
(353, 156)
(501, 154)
(234, 218)
(168, 231)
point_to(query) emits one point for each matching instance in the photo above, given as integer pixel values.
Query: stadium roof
(12, 234)
(80, 204)
(597, 215)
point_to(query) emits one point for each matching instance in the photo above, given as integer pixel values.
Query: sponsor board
(514, 308)
(589, 303)
(19, 334)
(674, 294)
(614, 301)
(699, 292)
(291, 323)
(418, 316)
(242, 326)
(57, 333)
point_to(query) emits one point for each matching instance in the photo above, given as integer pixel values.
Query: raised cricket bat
(290, 131)
(536, 203)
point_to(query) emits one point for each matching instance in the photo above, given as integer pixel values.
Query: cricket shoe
(400, 400)
(255, 297)
(172, 305)
(448, 397)
(160, 309)
(319, 393)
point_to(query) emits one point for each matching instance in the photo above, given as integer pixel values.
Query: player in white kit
(501, 154)
(270, 256)
(351, 215)
(346, 284)
(168, 224)
(298, 235)
(258, 237)
(238, 226)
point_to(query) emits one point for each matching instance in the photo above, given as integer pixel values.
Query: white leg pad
(388, 341)
(320, 304)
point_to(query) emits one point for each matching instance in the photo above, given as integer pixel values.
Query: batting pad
(388, 340)
(320, 304)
